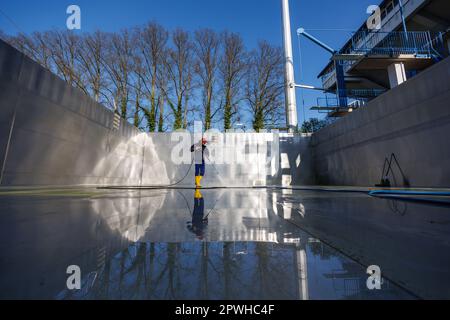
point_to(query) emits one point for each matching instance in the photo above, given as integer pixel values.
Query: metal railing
(327, 101)
(421, 44)
(365, 93)
(417, 43)
(330, 103)
(329, 79)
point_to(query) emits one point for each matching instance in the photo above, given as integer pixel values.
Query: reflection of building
(347, 282)
(412, 38)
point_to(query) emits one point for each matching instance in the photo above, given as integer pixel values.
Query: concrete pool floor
(220, 244)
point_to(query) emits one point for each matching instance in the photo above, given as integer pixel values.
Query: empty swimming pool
(220, 244)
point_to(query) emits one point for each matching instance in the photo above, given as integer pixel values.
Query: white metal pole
(291, 102)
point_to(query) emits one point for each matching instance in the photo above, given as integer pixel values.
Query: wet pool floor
(220, 244)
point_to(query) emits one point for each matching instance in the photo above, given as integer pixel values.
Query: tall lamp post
(291, 102)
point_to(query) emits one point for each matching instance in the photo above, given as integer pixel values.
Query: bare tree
(232, 71)
(35, 47)
(207, 51)
(264, 89)
(163, 80)
(161, 114)
(119, 62)
(179, 71)
(91, 57)
(142, 76)
(152, 41)
(138, 89)
(44, 52)
(65, 50)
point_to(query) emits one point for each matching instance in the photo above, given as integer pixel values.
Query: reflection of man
(200, 152)
(198, 222)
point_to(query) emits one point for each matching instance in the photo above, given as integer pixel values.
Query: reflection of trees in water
(198, 271)
(228, 270)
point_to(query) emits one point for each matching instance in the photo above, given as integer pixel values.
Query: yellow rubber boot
(198, 194)
(197, 181)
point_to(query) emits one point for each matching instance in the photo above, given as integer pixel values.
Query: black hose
(167, 186)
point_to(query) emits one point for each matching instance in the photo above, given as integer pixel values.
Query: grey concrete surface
(139, 245)
(411, 121)
(409, 241)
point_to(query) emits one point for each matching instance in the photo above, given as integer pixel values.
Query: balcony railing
(365, 93)
(330, 104)
(417, 43)
(329, 79)
(356, 98)
(420, 44)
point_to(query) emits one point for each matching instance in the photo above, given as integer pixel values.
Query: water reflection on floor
(230, 270)
(220, 244)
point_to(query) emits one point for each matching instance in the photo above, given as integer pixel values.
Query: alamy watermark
(374, 281)
(230, 148)
(74, 280)
(73, 22)
(374, 21)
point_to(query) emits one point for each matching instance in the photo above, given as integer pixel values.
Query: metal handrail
(369, 43)
(392, 43)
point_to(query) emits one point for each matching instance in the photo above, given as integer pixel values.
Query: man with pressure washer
(200, 151)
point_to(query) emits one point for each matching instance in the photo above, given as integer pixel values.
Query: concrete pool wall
(411, 121)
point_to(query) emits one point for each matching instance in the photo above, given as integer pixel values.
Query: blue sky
(253, 19)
